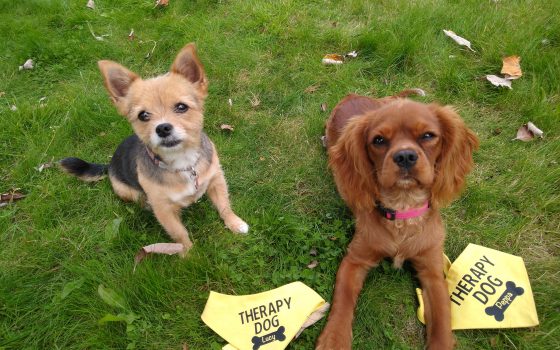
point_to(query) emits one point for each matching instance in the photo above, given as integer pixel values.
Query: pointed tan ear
(353, 171)
(455, 161)
(118, 80)
(188, 65)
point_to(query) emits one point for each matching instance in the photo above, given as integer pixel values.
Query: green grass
(276, 169)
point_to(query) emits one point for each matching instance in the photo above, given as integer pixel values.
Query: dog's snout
(405, 158)
(164, 130)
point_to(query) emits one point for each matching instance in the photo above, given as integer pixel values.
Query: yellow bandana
(487, 289)
(266, 321)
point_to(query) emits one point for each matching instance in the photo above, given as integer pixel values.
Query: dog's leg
(337, 334)
(218, 193)
(169, 216)
(437, 308)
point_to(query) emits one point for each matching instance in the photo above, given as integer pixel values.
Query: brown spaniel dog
(395, 163)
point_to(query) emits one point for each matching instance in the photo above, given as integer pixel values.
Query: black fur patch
(124, 162)
(206, 147)
(82, 169)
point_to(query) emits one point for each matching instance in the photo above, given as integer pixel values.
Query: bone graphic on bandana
(504, 301)
(268, 338)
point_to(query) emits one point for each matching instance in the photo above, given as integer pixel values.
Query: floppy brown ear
(117, 80)
(455, 160)
(353, 171)
(188, 65)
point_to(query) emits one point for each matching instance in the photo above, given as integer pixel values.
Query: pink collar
(392, 214)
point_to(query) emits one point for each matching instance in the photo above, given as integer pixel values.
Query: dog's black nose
(405, 158)
(164, 130)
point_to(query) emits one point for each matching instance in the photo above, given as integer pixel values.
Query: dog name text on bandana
(266, 321)
(488, 289)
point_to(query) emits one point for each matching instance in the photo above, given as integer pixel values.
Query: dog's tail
(83, 170)
(408, 92)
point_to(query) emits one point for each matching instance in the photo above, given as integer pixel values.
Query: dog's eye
(379, 140)
(427, 136)
(144, 116)
(181, 108)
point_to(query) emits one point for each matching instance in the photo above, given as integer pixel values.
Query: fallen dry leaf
(27, 65)
(9, 197)
(162, 3)
(511, 67)
(311, 89)
(528, 131)
(158, 248)
(131, 34)
(91, 4)
(97, 37)
(230, 102)
(185, 346)
(2, 93)
(323, 107)
(313, 264)
(44, 166)
(498, 81)
(324, 141)
(333, 58)
(459, 40)
(261, 158)
(255, 101)
(13, 108)
(314, 317)
(352, 54)
(313, 252)
(226, 127)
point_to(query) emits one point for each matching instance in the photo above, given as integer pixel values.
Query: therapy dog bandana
(487, 289)
(266, 321)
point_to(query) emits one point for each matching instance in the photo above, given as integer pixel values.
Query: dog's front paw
(236, 224)
(333, 341)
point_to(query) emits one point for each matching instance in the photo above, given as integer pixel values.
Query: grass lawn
(67, 237)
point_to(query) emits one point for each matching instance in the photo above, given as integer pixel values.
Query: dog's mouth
(170, 143)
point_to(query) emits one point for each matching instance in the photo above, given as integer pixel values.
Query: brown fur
(365, 173)
(172, 189)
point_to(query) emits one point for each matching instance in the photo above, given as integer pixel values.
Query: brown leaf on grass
(333, 58)
(158, 248)
(226, 127)
(162, 3)
(511, 67)
(131, 35)
(185, 346)
(498, 81)
(323, 107)
(311, 89)
(9, 197)
(313, 264)
(528, 131)
(2, 93)
(91, 4)
(314, 317)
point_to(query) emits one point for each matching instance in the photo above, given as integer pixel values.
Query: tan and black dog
(170, 162)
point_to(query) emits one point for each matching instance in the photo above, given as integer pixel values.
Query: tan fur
(172, 189)
(366, 172)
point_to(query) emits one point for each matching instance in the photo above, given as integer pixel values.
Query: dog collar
(160, 163)
(392, 214)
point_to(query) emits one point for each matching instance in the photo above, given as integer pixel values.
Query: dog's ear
(353, 170)
(188, 65)
(455, 160)
(118, 80)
